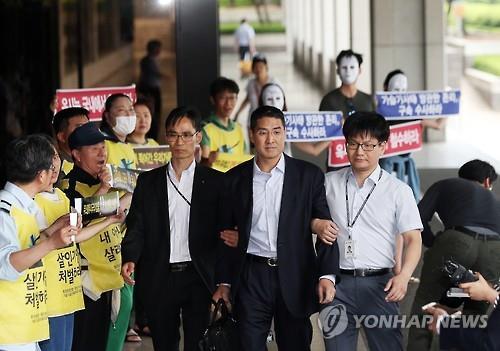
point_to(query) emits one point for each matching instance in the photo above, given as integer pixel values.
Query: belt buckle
(272, 262)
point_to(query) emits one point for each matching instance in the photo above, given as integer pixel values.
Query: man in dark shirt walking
(470, 213)
(150, 82)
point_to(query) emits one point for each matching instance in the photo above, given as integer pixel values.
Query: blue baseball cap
(85, 135)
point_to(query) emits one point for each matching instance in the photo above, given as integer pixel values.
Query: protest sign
(404, 138)
(92, 99)
(313, 126)
(418, 104)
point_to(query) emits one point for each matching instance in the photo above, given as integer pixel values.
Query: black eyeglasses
(351, 145)
(186, 137)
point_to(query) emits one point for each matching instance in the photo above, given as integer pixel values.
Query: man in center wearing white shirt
(371, 208)
(172, 235)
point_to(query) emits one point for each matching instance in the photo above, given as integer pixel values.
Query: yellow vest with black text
(23, 302)
(102, 251)
(64, 285)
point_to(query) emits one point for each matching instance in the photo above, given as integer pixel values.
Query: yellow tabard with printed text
(23, 303)
(102, 251)
(64, 285)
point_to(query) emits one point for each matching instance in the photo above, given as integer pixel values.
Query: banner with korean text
(404, 138)
(313, 126)
(418, 104)
(92, 99)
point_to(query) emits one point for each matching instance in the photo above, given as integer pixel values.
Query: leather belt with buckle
(365, 272)
(270, 261)
(180, 266)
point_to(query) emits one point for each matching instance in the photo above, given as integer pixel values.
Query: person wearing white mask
(346, 98)
(273, 95)
(118, 121)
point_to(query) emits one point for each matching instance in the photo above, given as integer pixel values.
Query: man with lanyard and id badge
(371, 208)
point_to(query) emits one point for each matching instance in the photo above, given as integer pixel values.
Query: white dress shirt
(390, 211)
(179, 212)
(267, 190)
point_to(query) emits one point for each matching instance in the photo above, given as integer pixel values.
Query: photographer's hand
(480, 290)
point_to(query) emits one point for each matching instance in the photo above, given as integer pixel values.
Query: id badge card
(350, 248)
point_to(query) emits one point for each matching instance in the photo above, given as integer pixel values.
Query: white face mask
(348, 70)
(273, 96)
(124, 125)
(399, 82)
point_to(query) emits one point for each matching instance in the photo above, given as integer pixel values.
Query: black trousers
(185, 296)
(258, 300)
(92, 324)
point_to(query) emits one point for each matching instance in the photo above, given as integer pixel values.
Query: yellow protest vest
(66, 167)
(224, 162)
(64, 285)
(23, 315)
(121, 154)
(102, 251)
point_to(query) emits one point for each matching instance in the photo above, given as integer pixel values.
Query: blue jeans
(61, 334)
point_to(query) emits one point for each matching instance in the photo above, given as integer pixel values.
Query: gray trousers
(365, 297)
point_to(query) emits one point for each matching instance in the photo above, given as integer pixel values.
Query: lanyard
(177, 189)
(349, 224)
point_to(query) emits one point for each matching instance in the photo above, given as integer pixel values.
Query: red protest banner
(404, 138)
(92, 99)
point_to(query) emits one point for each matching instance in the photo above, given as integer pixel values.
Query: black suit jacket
(303, 198)
(147, 241)
(480, 339)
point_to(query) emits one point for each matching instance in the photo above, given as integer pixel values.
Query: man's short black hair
(258, 58)
(266, 111)
(153, 45)
(366, 123)
(389, 77)
(25, 157)
(61, 118)
(222, 84)
(180, 112)
(478, 171)
(348, 53)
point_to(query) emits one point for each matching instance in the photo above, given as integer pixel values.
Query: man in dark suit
(276, 202)
(172, 236)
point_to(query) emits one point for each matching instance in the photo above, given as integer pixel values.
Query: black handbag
(222, 332)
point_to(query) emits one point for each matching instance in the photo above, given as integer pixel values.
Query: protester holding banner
(64, 288)
(173, 231)
(347, 98)
(142, 126)
(64, 123)
(101, 259)
(372, 208)
(221, 135)
(23, 294)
